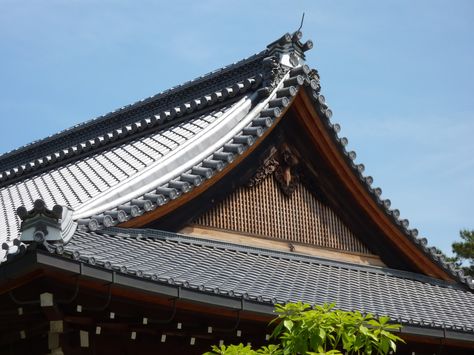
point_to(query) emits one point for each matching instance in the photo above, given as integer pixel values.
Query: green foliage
(464, 251)
(323, 330)
(231, 350)
(245, 350)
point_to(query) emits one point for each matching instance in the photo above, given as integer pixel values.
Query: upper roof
(149, 155)
(172, 141)
(127, 115)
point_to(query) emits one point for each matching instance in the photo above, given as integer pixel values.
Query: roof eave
(36, 262)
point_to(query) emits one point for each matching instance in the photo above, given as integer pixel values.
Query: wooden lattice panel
(262, 210)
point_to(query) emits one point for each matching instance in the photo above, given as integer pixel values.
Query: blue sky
(398, 75)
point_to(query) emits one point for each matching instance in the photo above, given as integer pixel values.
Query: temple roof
(160, 147)
(145, 156)
(117, 120)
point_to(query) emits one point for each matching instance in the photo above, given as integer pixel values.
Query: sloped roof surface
(267, 277)
(75, 184)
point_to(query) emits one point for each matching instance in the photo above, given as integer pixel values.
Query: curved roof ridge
(112, 136)
(6, 158)
(260, 114)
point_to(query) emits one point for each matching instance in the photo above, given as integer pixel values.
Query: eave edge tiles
(157, 274)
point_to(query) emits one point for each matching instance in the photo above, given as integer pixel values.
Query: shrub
(322, 330)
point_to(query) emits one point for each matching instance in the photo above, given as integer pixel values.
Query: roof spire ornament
(289, 49)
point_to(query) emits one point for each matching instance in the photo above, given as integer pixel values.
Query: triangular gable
(267, 207)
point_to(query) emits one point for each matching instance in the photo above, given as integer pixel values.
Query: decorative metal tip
(301, 23)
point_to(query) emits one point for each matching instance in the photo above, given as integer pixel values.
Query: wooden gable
(263, 210)
(311, 199)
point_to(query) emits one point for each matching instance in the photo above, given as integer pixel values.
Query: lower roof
(267, 277)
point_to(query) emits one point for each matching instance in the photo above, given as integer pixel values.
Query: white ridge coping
(183, 159)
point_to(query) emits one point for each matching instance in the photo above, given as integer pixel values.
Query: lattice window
(263, 210)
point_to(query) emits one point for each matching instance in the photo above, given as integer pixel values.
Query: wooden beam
(141, 297)
(276, 244)
(8, 285)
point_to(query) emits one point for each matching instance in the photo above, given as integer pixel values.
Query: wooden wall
(263, 210)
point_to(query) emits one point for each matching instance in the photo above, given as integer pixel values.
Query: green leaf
(384, 346)
(288, 324)
(363, 330)
(270, 350)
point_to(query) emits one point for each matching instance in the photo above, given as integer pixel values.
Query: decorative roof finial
(288, 49)
(45, 226)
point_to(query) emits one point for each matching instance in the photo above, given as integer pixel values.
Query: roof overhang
(315, 128)
(37, 263)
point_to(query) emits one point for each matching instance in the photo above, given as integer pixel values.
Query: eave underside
(99, 292)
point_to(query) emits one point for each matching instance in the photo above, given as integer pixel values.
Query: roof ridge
(273, 96)
(124, 109)
(126, 131)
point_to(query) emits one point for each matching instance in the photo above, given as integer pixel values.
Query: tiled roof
(266, 276)
(126, 171)
(77, 183)
(139, 157)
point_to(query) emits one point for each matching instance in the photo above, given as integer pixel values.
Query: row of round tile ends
(208, 167)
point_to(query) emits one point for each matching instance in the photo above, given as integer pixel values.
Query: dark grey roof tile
(265, 275)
